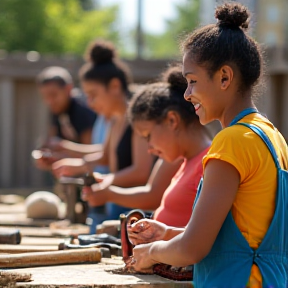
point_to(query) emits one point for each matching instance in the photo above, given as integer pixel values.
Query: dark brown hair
(227, 42)
(153, 101)
(103, 65)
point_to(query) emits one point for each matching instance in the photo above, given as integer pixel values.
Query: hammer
(87, 180)
(35, 259)
(106, 248)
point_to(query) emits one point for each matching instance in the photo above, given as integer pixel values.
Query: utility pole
(139, 33)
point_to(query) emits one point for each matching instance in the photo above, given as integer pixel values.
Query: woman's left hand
(141, 260)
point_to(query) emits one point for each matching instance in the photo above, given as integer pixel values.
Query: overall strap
(242, 114)
(265, 139)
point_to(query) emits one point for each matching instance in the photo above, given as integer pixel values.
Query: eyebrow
(187, 73)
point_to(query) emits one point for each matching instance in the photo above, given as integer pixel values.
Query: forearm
(173, 252)
(140, 197)
(129, 177)
(173, 232)
(80, 149)
(94, 159)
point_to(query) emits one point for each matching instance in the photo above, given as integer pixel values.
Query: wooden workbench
(39, 237)
(93, 275)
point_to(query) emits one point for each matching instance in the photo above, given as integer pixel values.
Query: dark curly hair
(227, 42)
(153, 101)
(103, 65)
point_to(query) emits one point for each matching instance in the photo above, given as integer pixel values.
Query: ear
(115, 84)
(69, 88)
(173, 120)
(226, 76)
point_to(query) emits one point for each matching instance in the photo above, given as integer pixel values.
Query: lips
(197, 107)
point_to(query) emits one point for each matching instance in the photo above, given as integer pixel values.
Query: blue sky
(154, 13)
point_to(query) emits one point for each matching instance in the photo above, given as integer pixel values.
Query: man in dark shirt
(71, 119)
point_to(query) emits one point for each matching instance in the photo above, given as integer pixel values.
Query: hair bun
(173, 76)
(233, 15)
(101, 52)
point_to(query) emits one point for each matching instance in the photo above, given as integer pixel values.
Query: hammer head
(106, 253)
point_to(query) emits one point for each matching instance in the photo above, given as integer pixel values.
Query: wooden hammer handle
(50, 258)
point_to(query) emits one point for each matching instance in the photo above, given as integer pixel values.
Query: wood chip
(9, 279)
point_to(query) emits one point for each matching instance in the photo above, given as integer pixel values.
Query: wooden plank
(26, 248)
(41, 241)
(38, 232)
(20, 219)
(76, 229)
(12, 209)
(93, 276)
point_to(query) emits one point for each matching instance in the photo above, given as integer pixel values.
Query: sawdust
(9, 279)
(125, 271)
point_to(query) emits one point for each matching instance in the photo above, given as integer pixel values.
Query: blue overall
(230, 260)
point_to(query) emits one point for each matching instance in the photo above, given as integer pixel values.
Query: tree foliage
(54, 26)
(167, 44)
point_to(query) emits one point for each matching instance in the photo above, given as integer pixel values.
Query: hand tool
(107, 249)
(50, 258)
(87, 180)
(164, 270)
(10, 236)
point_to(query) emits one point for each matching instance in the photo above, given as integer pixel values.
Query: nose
(187, 94)
(151, 149)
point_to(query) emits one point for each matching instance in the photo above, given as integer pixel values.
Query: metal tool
(10, 236)
(166, 271)
(106, 249)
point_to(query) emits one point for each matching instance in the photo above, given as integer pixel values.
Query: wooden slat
(37, 232)
(47, 232)
(26, 248)
(20, 219)
(41, 241)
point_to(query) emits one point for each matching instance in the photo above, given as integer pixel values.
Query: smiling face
(162, 138)
(202, 91)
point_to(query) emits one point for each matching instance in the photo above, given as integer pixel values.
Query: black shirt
(74, 121)
(124, 149)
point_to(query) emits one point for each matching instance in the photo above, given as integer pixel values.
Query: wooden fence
(24, 118)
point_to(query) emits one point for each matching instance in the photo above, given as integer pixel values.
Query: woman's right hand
(146, 231)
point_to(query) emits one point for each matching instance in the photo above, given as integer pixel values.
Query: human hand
(43, 164)
(141, 260)
(68, 167)
(146, 231)
(94, 198)
(43, 158)
(55, 143)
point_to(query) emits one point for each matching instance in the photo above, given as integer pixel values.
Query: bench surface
(93, 275)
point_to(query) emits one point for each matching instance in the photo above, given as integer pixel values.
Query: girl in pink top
(160, 114)
(177, 201)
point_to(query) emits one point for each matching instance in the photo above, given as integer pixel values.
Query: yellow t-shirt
(254, 204)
